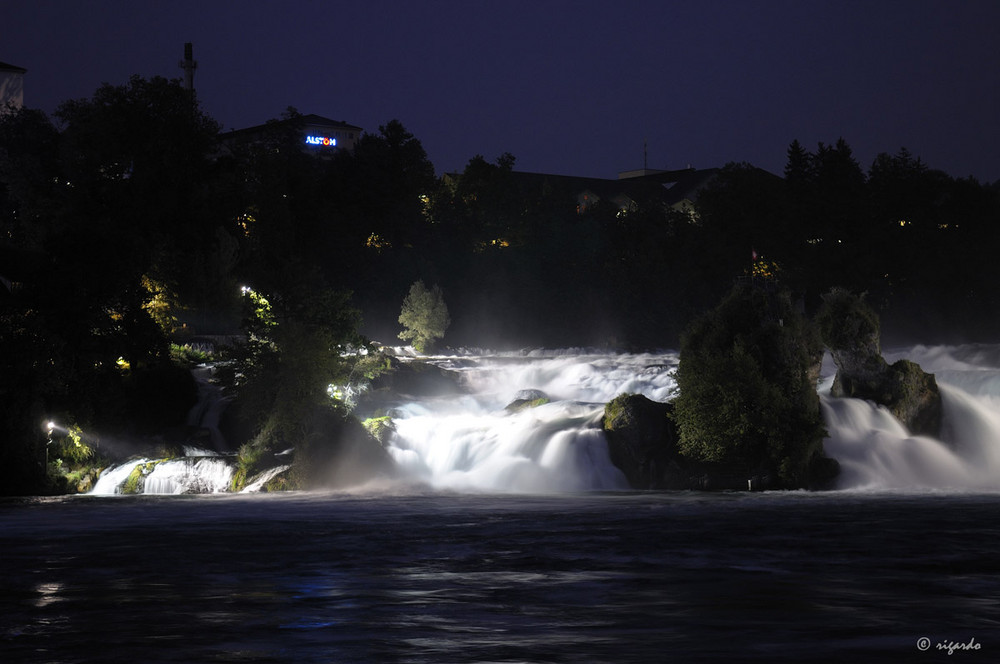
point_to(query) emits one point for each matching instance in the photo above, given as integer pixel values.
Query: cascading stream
(474, 443)
(875, 451)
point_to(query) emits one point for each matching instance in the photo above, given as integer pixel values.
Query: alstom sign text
(325, 141)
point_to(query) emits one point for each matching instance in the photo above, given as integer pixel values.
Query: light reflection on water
(463, 578)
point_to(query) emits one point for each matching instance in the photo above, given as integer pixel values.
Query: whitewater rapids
(473, 443)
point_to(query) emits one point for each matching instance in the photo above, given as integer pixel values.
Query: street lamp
(49, 427)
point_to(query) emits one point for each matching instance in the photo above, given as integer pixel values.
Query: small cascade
(189, 475)
(258, 482)
(111, 479)
(875, 451)
(207, 413)
(167, 476)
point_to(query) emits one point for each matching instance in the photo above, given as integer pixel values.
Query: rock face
(642, 443)
(642, 440)
(910, 394)
(339, 452)
(851, 331)
(527, 399)
(417, 378)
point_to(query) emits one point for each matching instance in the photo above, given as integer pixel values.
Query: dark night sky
(570, 87)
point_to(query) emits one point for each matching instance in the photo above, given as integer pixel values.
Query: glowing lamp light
(325, 141)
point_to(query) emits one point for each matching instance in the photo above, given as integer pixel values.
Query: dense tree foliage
(916, 240)
(747, 386)
(101, 219)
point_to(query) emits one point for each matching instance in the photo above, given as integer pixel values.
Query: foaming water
(172, 476)
(472, 443)
(574, 375)
(876, 451)
(553, 447)
(475, 443)
(189, 475)
(111, 479)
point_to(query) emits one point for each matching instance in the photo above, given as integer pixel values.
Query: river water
(433, 576)
(509, 538)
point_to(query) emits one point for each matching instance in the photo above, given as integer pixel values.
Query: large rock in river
(850, 329)
(642, 440)
(906, 390)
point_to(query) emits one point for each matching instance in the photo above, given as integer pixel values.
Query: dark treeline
(128, 222)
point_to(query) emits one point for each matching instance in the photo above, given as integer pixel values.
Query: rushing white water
(170, 476)
(189, 475)
(553, 447)
(474, 443)
(258, 482)
(111, 479)
(875, 451)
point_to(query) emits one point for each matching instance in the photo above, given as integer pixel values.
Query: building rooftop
(305, 120)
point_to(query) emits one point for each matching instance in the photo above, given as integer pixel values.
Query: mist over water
(472, 442)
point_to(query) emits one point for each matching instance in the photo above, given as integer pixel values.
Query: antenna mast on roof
(645, 156)
(188, 65)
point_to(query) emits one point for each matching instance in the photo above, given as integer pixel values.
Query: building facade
(11, 86)
(317, 135)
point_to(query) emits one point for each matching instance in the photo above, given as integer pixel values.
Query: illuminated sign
(321, 140)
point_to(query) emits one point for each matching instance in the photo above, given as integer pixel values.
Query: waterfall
(875, 451)
(257, 484)
(111, 479)
(169, 476)
(473, 442)
(553, 447)
(189, 475)
(207, 413)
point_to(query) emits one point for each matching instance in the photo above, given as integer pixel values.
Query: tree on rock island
(850, 329)
(747, 397)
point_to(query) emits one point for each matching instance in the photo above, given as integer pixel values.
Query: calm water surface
(637, 577)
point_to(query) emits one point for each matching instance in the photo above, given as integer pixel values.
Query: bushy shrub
(847, 322)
